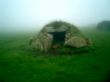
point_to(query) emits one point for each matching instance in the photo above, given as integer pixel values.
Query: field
(20, 64)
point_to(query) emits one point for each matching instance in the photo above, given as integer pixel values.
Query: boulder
(77, 42)
(59, 34)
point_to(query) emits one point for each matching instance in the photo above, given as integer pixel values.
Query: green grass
(18, 63)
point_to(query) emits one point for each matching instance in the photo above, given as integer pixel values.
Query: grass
(20, 64)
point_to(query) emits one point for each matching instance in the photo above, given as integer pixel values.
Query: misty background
(20, 15)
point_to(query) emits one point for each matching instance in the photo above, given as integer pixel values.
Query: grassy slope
(17, 63)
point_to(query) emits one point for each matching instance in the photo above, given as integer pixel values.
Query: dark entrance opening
(58, 37)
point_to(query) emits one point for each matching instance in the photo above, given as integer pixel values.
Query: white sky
(23, 14)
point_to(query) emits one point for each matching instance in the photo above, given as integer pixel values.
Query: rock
(57, 34)
(77, 42)
(43, 42)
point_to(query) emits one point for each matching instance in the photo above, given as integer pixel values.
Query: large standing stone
(77, 42)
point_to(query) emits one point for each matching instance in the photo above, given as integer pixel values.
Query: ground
(20, 64)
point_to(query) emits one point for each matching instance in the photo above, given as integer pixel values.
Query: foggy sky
(30, 14)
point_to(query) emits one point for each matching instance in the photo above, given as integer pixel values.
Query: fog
(33, 14)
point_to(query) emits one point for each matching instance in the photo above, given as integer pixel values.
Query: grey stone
(57, 33)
